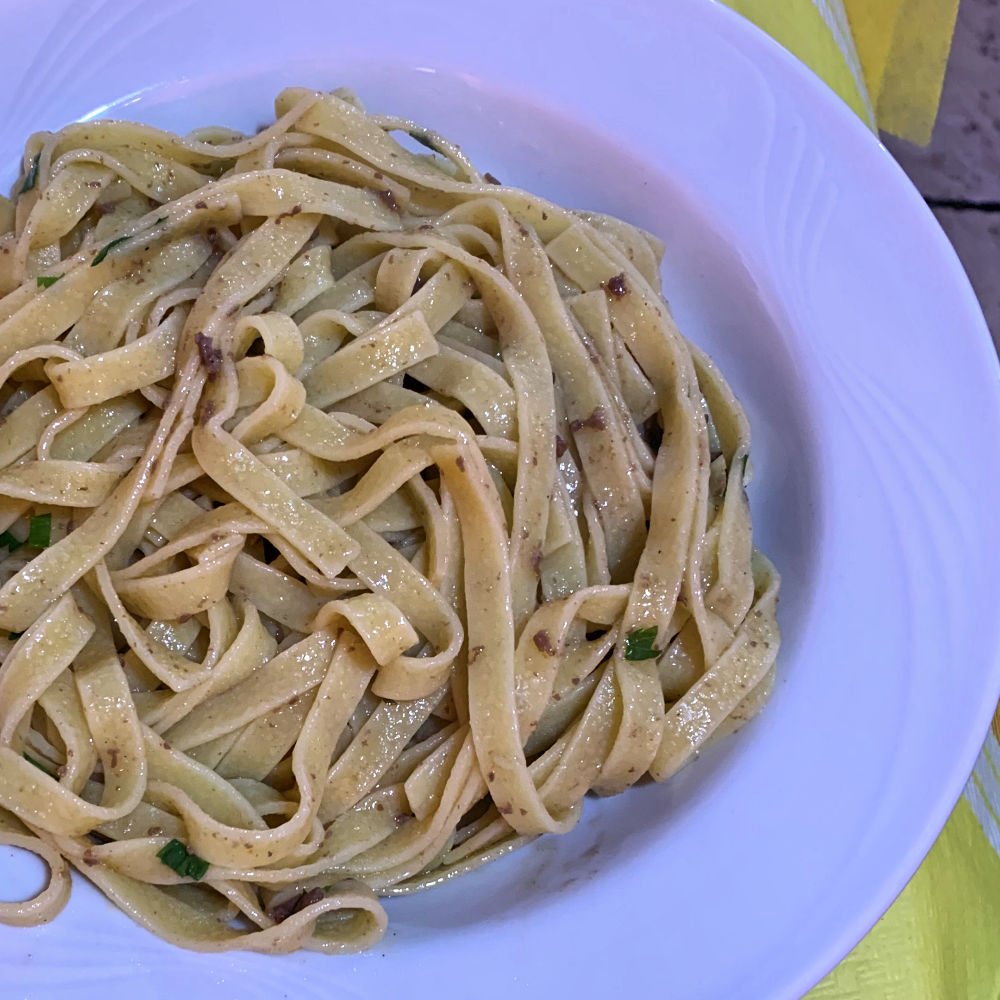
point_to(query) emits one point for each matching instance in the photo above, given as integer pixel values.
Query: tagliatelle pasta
(359, 515)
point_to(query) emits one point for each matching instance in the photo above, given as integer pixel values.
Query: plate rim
(739, 31)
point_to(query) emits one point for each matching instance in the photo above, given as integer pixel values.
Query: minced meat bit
(293, 904)
(597, 421)
(211, 356)
(543, 642)
(388, 199)
(617, 287)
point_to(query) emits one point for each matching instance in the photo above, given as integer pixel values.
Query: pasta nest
(361, 514)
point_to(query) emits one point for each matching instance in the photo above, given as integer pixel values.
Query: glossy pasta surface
(360, 514)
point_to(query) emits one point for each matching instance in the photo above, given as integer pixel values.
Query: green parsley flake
(108, 247)
(424, 140)
(10, 540)
(47, 282)
(639, 644)
(38, 764)
(32, 176)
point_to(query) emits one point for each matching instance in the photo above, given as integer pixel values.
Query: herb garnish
(38, 764)
(108, 247)
(40, 531)
(639, 644)
(176, 856)
(42, 281)
(122, 239)
(32, 176)
(423, 139)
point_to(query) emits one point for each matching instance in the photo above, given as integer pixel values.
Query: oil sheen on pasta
(362, 513)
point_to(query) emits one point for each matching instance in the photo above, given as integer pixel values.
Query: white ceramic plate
(802, 259)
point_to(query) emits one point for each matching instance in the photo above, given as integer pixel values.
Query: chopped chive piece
(177, 857)
(119, 240)
(38, 764)
(14, 636)
(422, 138)
(32, 176)
(195, 867)
(47, 282)
(40, 531)
(173, 855)
(639, 644)
(10, 540)
(110, 246)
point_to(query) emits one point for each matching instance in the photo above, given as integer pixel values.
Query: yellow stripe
(800, 27)
(903, 46)
(939, 938)
(874, 25)
(836, 20)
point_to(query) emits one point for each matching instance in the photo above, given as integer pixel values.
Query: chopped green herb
(639, 644)
(47, 282)
(195, 867)
(110, 246)
(40, 531)
(177, 857)
(10, 540)
(38, 764)
(14, 636)
(32, 176)
(422, 138)
(173, 855)
(119, 240)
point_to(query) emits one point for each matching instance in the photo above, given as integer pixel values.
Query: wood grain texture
(963, 158)
(959, 172)
(975, 236)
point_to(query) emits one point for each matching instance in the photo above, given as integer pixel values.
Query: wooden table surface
(959, 172)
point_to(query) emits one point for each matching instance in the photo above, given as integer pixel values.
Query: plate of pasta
(403, 449)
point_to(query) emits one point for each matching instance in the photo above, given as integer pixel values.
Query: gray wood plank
(976, 238)
(962, 161)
